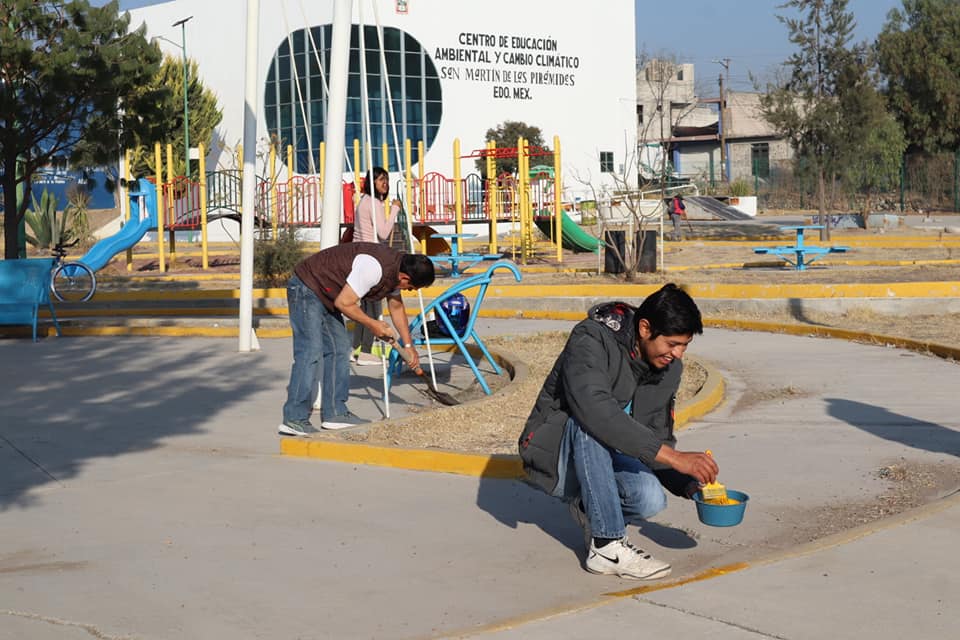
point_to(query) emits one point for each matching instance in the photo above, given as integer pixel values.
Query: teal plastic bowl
(722, 515)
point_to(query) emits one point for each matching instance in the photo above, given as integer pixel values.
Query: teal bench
(24, 287)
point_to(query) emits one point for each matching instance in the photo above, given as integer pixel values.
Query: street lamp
(186, 83)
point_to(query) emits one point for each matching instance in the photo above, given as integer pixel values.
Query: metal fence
(927, 182)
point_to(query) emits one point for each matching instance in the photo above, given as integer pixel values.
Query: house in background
(671, 116)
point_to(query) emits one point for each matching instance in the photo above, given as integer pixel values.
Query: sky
(745, 31)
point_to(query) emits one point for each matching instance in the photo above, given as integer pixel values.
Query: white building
(456, 69)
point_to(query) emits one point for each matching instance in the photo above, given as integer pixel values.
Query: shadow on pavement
(70, 400)
(512, 502)
(885, 424)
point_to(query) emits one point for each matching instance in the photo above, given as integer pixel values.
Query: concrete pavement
(142, 496)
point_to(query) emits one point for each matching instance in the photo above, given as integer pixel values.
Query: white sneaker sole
(284, 430)
(337, 426)
(655, 575)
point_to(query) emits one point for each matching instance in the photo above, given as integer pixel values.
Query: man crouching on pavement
(600, 435)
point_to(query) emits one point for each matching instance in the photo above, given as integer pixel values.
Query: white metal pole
(336, 123)
(251, 91)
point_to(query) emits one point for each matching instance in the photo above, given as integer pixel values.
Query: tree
(919, 57)
(66, 69)
(505, 135)
(204, 113)
(805, 108)
(871, 140)
(665, 103)
(156, 115)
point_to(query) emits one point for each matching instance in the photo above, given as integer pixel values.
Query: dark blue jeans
(617, 489)
(321, 352)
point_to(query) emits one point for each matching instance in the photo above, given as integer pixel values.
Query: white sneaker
(366, 359)
(345, 421)
(623, 559)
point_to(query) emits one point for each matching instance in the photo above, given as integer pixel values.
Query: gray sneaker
(345, 421)
(296, 428)
(580, 517)
(623, 559)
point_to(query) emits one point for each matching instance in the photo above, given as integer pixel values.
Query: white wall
(595, 113)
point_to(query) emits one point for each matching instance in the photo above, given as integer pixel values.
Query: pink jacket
(363, 220)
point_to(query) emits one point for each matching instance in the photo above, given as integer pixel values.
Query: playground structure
(525, 201)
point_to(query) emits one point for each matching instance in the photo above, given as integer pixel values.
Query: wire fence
(926, 182)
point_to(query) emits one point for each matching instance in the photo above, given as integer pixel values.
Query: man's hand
(699, 465)
(381, 329)
(407, 354)
(412, 358)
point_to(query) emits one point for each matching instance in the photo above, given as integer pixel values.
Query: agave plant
(42, 220)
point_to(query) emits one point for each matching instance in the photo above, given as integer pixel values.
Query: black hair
(367, 186)
(671, 312)
(419, 268)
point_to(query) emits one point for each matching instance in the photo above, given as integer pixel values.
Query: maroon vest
(325, 272)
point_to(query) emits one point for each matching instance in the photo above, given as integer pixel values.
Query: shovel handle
(404, 356)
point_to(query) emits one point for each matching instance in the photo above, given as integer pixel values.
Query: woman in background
(371, 223)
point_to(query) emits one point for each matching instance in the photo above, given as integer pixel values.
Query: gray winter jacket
(598, 374)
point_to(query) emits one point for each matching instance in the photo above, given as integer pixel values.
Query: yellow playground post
(204, 247)
(161, 204)
(385, 155)
(523, 179)
(421, 161)
(557, 198)
(457, 188)
(492, 209)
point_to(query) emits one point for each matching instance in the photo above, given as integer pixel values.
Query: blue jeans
(617, 489)
(321, 351)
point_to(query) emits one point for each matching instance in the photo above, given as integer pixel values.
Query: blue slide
(141, 221)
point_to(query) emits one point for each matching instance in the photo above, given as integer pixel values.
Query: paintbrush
(714, 492)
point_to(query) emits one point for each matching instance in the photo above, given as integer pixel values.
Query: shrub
(739, 187)
(274, 259)
(76, 212)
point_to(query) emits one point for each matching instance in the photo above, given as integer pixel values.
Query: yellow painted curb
(706, 400)
(934, 289)
(486, 466)
(920, 346)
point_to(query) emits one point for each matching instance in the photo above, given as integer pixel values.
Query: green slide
(574, 238)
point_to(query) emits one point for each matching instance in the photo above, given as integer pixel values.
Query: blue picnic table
(456, 257)
(800, 254)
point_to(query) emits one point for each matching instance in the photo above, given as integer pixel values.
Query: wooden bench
(24, 286)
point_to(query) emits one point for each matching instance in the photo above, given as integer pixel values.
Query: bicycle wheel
(73, 282)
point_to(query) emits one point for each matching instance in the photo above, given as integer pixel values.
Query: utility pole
(724, 87)
(186, 84)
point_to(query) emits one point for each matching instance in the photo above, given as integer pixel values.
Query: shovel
(432, 391)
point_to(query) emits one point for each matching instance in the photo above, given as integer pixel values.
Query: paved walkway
(142, 496)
